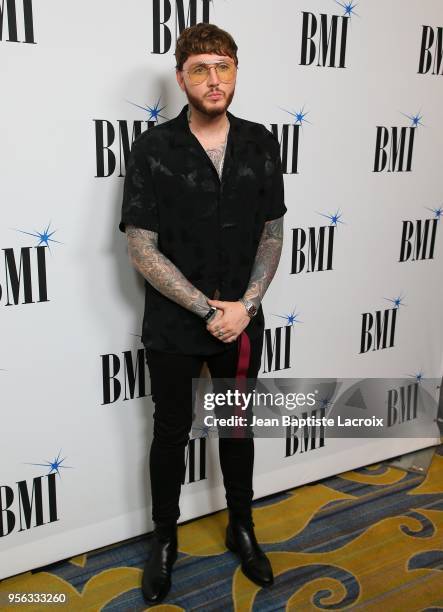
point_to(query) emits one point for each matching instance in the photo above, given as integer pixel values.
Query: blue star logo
(415, 119)
(334, 219)
(298, 116)
(396, 301)
(154, 111)
(44, 237)
(290, 318)
(418, 376)
(325, 403)
(202, 432)
(348, 8)
(437, 212)
(54, 465)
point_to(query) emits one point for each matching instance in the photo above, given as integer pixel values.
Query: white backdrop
(79, 457)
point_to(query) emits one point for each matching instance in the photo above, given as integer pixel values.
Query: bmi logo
(378, 328)
(394, 146)
(402, 404)
(113, 140)
(123, 375)
(418, 237)
(25, 275)
(311, 437)
(124, 378)
(431, 51)
(288, 135)
(17, 18)
(324, 37)
(31, 503)
(172, 17)
(195, 461)
(313, 247)
(277, 344)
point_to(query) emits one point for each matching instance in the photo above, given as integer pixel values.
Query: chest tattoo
(217, 156)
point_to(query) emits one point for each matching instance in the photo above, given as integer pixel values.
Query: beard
(206, 108)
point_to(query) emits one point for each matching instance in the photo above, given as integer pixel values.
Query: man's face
(211, 97)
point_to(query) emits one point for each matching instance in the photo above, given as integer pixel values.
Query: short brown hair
(204, 38)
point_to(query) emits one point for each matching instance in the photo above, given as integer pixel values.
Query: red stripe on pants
(244, 356)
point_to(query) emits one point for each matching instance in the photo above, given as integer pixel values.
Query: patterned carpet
(369, 539)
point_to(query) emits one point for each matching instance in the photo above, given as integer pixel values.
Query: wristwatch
(211, 312)
(251, 308)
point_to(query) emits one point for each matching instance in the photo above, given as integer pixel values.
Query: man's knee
(170, 434)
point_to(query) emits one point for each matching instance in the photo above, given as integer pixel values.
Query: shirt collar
(182, 131)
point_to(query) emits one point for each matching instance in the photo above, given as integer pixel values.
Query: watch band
(211, 312)
(251, 308)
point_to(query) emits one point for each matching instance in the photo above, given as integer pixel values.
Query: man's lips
(215, 95)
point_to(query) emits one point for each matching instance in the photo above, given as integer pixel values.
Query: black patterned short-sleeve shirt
(208, 227)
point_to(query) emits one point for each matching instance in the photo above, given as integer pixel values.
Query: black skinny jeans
(171, 387)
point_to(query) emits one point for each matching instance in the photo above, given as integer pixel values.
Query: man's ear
(180, 80)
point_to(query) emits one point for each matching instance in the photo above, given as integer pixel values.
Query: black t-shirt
(210, 229)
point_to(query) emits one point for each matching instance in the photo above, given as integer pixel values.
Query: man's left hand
(231, 321)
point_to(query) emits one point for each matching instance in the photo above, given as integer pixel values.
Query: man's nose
(213, 76)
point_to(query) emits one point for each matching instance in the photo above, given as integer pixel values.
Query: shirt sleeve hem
(276, 215)
(142, 225)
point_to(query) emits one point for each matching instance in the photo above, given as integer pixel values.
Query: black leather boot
(240, 539)
(156, 581)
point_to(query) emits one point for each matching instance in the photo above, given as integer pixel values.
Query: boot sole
(157, 600)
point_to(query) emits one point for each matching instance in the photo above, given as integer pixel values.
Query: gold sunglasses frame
(212, 65)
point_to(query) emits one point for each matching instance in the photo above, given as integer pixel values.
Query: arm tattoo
(266, 261)
(161, 273)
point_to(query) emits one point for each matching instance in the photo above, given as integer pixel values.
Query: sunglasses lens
(200, 73)
(226, 72)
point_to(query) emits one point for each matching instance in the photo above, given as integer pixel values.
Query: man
(203, 210)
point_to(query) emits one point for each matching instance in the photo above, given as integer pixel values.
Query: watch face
(252, 310)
